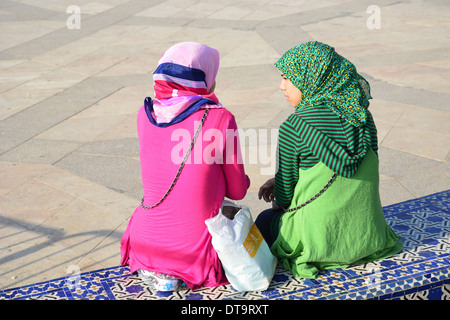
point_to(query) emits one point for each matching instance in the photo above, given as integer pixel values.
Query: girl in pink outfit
(168, 240)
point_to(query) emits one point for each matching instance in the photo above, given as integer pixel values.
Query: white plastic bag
(246, 258)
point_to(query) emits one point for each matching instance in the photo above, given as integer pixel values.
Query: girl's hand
(267, 190)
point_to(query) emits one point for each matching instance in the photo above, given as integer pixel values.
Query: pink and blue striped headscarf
(182, 83)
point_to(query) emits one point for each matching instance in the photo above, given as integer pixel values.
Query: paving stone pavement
(69, 166)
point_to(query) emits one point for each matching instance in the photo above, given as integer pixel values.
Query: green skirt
(343, 226)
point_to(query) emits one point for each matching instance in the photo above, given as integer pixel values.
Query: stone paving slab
(69, 167)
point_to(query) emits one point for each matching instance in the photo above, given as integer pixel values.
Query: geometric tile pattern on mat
(420, 271)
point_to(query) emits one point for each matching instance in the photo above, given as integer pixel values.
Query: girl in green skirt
(327, 211)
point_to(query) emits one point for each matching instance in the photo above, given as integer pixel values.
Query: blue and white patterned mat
(420, 271)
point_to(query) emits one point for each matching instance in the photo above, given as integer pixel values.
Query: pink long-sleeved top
(173, 238)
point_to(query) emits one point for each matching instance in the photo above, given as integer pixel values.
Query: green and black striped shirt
(315, 134)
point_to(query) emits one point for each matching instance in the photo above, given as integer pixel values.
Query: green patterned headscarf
(326, 78)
